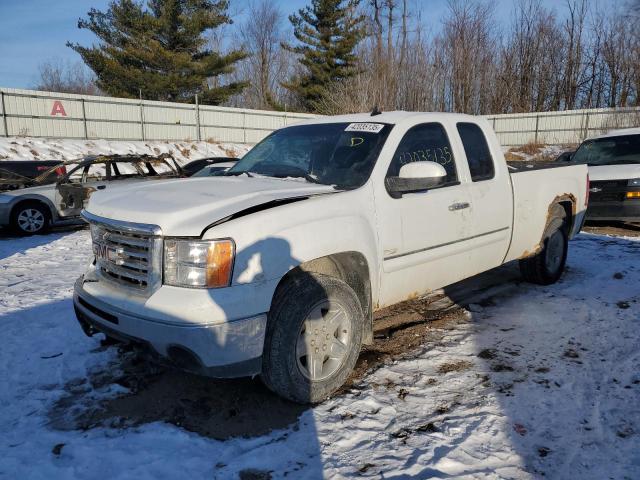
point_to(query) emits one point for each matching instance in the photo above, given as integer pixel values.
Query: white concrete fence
(59, 115)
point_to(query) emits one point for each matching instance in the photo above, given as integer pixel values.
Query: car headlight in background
(634, 182)
(198, 263)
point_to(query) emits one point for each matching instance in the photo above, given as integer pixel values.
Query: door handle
(459, 206)
(101, 187)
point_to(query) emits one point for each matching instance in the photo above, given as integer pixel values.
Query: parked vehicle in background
(276, 267)
(59, 199)
(614, 170)
(192, 167)
(16, 174)
(214, 169)
(565, 156)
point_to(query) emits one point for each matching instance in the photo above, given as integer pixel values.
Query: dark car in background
(565, 156)
(216, 163)
(214, 170)
(16, 174)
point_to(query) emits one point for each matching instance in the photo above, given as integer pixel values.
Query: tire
(313, 337)
(30, 218)
(547, 266)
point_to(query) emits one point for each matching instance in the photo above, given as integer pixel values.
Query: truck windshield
(623, 149)
(339, 154)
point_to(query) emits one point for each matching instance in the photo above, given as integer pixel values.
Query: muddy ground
(613, 228)
(223, 409)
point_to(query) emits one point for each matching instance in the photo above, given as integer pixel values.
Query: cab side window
(477, 151)
(425, 142)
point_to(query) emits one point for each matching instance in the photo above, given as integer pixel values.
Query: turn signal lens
(633, 194)
(219, 263)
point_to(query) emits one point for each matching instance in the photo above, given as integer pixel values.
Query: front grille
(127, 255)
(608, 190)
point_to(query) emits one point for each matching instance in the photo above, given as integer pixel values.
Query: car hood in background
(614, 172)
(186, 207)
(46, 190)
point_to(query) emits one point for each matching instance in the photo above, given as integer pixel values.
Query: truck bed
(535, 189)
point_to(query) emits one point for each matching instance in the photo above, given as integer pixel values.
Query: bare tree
(470, 47)
(66, 77)
(578, 57)
(268, 66)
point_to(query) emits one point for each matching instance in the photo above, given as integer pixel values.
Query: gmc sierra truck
(276, 267)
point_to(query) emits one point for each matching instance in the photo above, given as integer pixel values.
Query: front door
(423, 233)
(73, 192)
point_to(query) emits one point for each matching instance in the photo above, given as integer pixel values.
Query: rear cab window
(425, 142)
(477, 151)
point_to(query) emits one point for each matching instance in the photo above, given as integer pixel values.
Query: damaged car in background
(59, 194)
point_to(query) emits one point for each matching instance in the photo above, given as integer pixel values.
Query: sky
(36, 31)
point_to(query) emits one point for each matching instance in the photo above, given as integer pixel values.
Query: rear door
(491, 198)
(423, 233)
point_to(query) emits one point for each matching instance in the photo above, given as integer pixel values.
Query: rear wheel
(30, 218)
(547, 266)
(313, 337)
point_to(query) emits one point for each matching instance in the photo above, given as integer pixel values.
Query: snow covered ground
(30, 148)
(538, 381)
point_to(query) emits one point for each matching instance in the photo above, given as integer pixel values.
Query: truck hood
(186, 207)
(614, 172)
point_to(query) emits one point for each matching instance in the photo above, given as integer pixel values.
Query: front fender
(272, 242)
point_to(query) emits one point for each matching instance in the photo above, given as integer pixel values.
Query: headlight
(198, 263)
(634, 182)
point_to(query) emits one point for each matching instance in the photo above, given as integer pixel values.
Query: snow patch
(31, 148)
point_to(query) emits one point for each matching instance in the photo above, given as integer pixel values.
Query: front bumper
(608, 201)
(209, 346)
(625, 211)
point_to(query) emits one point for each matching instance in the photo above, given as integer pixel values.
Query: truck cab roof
(392, 118)
(618, 133)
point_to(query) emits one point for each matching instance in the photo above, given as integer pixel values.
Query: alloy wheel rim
(30, 220)
(323, 341)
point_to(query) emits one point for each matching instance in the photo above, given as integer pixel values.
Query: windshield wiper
(307, 176)
(235, 174)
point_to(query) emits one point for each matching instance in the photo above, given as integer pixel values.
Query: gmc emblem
(101, 251)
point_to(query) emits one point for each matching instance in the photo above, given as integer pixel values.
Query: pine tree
(159, 50)
(328, 32)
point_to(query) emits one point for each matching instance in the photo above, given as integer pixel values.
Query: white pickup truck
(276, 267)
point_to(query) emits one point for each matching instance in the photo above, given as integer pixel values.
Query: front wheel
(313, 337)
(30, 219)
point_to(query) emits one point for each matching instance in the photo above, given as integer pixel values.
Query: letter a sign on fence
(58, 109)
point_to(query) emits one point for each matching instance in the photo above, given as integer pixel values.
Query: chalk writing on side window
(438, 155)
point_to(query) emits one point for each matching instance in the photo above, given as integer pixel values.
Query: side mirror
(416, 176)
